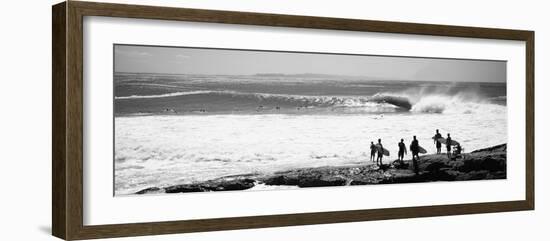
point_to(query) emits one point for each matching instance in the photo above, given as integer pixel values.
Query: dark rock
(400, 164)
(184, 188)
(490, 163)
(321, 181)
(402, 177)
(232, 185)
(473, 175)
(384, 167)
(436, 166)
(442, 175)
(497, 148)
(281, 180)
(359, 182)
(149, 190)
(220, 184)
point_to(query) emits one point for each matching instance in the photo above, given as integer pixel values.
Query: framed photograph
(171, 120)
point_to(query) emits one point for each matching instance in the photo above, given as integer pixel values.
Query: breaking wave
(413, 101)
(376, 103)
(163, 95)
(457, 103)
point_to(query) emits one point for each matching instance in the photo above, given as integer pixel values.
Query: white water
(168, 150)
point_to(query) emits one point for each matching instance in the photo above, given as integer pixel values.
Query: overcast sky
(170, 60)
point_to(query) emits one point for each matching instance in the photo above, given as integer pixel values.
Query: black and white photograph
(191, 119)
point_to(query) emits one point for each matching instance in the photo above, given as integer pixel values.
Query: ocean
(177, 129)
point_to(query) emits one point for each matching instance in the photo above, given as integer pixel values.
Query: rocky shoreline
(483, 164)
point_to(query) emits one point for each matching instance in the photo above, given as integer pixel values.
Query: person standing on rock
(402, 150)
(448, 143)
(436, 141)
(380, 148)
(372, 151)
(414, 150)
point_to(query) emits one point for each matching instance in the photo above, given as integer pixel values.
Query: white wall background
(25, 120)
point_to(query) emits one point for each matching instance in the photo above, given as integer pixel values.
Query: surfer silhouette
(372, 151)
(436, 141)
(402, 150)
(380, 152)
(458, 149)
(448, 143)
(415, 149)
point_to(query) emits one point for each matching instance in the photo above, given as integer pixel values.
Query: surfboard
(444, 141)
(421, 150)
(384, 150)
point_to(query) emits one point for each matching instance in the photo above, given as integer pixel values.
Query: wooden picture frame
(67, 123)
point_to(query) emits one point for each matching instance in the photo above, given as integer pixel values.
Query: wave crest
(419, 101)
(173, 94)
(377, 103)
(455, 104)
